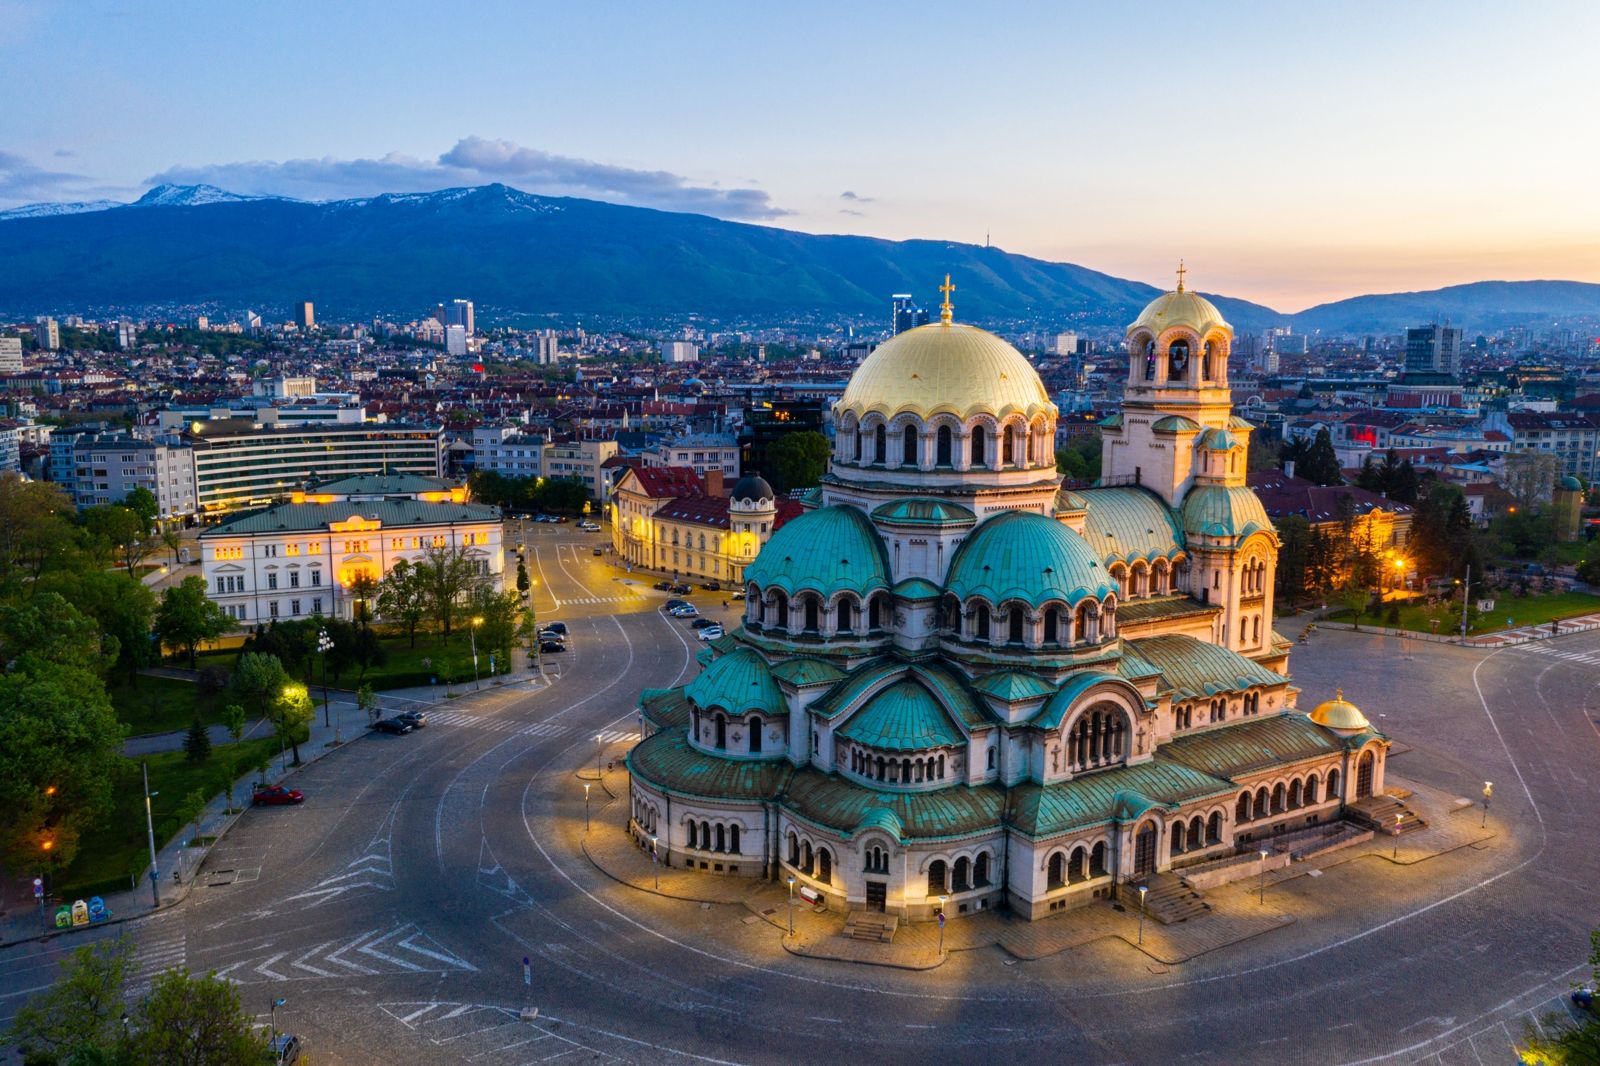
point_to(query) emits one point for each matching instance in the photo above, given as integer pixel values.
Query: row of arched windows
(903, 770)
(719, 836)
(948, 446)
(710, 728)
(1178, 364)
(808, 614)
(1098, 738)
(963, 875)
(817, 863)
(1055, 625)
(1143, 579)
(644, 815)
(1255, 578)
(1198, 833)
(1265, 803)
(1082, 864)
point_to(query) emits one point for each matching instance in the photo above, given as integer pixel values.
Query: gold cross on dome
(1181, 272)
(947, 310)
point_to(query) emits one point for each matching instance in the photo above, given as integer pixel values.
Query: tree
(197, 742)
(1559, 1041)
(122, 530)
(1294, 543)
(291, 712)
(363, 590)
(81, 1013)
(122, 606)
(498, 630)
(1265, 454)
(258, 679)
(186, 617)
(798, 460)
(233, 718)
(402, 598)
(447, 575)
(367, 700)
(193, 808)
(1320, 464)
(142, 502)
(193, 1021)
(1589, 568)
(1530, 476)
(36, 527)
(172, 540)
(523, 584)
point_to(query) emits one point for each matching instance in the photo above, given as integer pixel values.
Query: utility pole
(150, 830)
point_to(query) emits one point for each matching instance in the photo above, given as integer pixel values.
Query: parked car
(736, 594)
(415, 719)
(589, 527)
(551, 647)
(682, 588)
(283, 1049)
(599, 551)
(392, 725)
(712, 586)
(710, 633)
(686, 611)
(663, 586)
(702, 623)
(1583, 998)
(556, 627)
(552, 638)
(674, 602)
(276, 796)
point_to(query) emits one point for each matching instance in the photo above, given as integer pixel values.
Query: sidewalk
(1503, 638)
(346, 722)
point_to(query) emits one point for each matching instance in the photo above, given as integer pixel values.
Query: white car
(686, 611)
(589, 527)
(710, 633)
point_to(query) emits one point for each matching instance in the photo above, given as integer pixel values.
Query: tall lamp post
(597, 748)
(276, 1053)
(324, 645)
(473, 633)
(1397, 818)
(1488, 790)
(150, 830)
(586, 787)
(1143, 891)
(655, 860)
(791, 906)
(1262, 895)
(942, 900)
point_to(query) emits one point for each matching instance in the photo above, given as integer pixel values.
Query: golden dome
(1180, 308)
(1339, 714)
(944, 367)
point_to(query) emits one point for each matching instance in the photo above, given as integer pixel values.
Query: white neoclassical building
(956, 681)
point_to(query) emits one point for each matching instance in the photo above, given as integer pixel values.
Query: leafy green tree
(448, 574)
(523, 584)
(230, 770)
(233, 718)
(1321, 464)
(193, 1021)
(193, 808)
(1294, 544)
(798, 460)
(37, 528)
(172, 540)
(122, 606)
(142, 502)
(258, 679)
(79, 1018)
(291, 712)
(123, 531)
(59, 737)
(1589, 568)
(363, 591)
(1080, 459)
(403, 598)
(498, 630)
(367, 700)
(197, 742)
(186, 618)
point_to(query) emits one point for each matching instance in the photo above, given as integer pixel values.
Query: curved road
(393, 910)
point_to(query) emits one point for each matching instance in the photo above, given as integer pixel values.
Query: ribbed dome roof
(945, 367)
(1224, 511)
(831, 549)
(1340, 715)
(1180, 308)
(752, 487)
(903, 717)
(1017, 555)
(738, 682)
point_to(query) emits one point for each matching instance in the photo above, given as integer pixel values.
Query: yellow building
(671, 520)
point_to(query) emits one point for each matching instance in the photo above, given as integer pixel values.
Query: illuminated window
(291, 549)
(314, 548)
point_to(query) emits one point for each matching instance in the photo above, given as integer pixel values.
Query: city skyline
(1291, 157)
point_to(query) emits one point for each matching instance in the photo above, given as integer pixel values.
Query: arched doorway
(1364, 775)
(1144, 851)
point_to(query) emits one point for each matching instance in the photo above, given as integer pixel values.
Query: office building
(679, 352)
(47, 333)
(127, 335)
(455, 340)
(241, 463)
(459, 313)
(1064, 344)
(1433, 350)
(904, 313)
(10, 355)
(305, 316)
(108, 466)
(768, 421)
(546, 348)
(700, 452)
(302, 558)
(284, 387)
(251, 322)
(580, 460)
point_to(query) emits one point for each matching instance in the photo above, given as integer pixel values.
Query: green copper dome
(1220, 511)
(738, 683)
(922, 511)
(1028, 557)
(903, 717)
(829, 550)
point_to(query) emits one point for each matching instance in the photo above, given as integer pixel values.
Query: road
(393, 910)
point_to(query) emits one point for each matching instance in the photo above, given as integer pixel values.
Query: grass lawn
(118, 848)
(1534, 609)
(160, 704)
(406, 666)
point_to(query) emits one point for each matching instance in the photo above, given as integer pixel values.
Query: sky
(1290, 153)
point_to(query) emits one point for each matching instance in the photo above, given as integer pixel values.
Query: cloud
(476, 161)
(847, 211)
(848, 195)
(21, 180)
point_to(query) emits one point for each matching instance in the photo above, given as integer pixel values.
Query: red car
(277, 795)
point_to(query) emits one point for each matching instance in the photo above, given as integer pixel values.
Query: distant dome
(1180, 308)
(945, 367)
(1340, 715)
(1017, 555)
(752, 487)
(1571, 484)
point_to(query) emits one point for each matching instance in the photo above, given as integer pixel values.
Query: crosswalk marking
(159, 954)
(536, 729)
(404, 948)
(584, 601)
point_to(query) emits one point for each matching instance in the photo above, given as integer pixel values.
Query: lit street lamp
(1397, 818)
(472, 631)
(277, 1054)
(586, 787)
(656, 862)
(1262, 897)
(150, 828)
(1488, 790)
(791, 906)
(1143, 891)
(597, 748)
(324, 645)
(942, 900)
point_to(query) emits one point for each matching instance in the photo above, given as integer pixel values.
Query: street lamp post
(586, 787)
(1143, 891)
(324, 645)
(1397, 818)
(277, 1055)
(655, 861)
(150, 830)
(1262, 895)
(472, 631)
(942, 900)
(1488, 790)
(791, 906)
(597, 748)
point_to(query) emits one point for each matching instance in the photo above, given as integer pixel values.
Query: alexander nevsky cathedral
(957, 680)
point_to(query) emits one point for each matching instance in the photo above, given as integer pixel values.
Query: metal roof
(394, 514)
(903, 717)
(1130, 523)
(1016, 555)
(1198, 669)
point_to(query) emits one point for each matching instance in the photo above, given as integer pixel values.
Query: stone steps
(1378, 814)
(871, 925)
(1169, 900)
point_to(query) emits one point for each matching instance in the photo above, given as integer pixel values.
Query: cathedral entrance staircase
(871, 925)
(1169, 900)
(1378, 814)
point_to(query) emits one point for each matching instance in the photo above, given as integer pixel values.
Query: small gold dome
(1341, 715)
(945, 367)
(1180, 308)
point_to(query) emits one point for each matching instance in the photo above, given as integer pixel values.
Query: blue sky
(1290, 152)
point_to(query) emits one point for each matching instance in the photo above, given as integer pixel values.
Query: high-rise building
(47, 333)
(455, 340)
(10, 355)
(904, 313)
(680, 352)
(1065, 344)
(547, 349)
(251, 322)
(1433, 349)
(109, 466)
(127, 335)
(305, 315)
(459, 313)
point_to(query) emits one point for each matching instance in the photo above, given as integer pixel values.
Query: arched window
(1150, 360)
(941, 768)
(825, 866)
(858, 444)
(980, 622)
(880, 446)
(733, 839)
(1008, 453)
(692, 834)
(705, 836)
(980, 869)
(874, 614)
(1176, 833)
(722, 837)
(978, 436)
(1294, 793)
(780, 603)
(1097, 860)
(1077, 867)
(1214, 828)
(1310, 793)
(755, 736)
(1055, 873)
(1205, 361)
(1261, 808)
(961, 881)
(942, 447)
(794, 850)
(1014, 626)
(936, 877)
(908, 441)
(1196, 833)
(722, 732)
(1278, 795)
(1052, 627)
(1177, 360)
(846, 621)
(813, 614)
(882, 776)
(1333, 785)
(806, 857)
(1241, 812)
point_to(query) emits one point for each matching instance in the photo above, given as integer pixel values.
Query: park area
(1511, 610)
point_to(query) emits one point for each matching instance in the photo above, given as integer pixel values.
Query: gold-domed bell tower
(1176, 390)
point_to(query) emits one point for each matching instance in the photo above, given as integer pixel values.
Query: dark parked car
(712, 586)
(415, 719)
(674, 602)
(392, 725)
(599, 551)
(702, 623)
(556, 627)
(682, 588)
(276, 796)
(663, 586)
(550, 647)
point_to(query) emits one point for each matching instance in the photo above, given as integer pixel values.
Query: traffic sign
(527, 971)
(38, 888)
